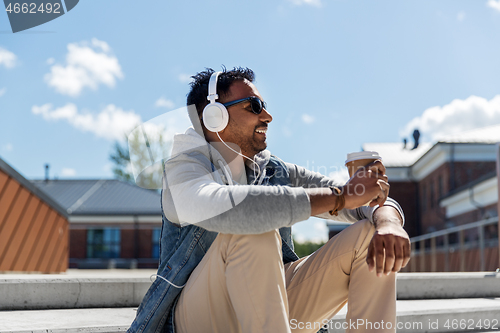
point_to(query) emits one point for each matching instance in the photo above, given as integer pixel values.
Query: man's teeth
(261, 131)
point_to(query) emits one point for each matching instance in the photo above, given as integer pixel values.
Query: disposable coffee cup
(356, 161)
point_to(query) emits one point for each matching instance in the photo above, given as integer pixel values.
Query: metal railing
(447, 248)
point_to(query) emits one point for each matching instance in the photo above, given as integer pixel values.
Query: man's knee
(257, 244)
(356, 237)
(364, 227)
(365, 231)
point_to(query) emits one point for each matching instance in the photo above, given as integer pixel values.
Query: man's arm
(389, 249)
(301, 177)
(243, 209)
(194, 195)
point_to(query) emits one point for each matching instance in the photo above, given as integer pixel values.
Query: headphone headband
(212, 87)
(215, 116)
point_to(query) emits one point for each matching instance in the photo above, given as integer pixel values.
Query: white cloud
(87, 65)
(51, 61)
(162, 102)
(495, 4)
(184, 78)
(312, 230)
(458, 116)
(320, 226)
(299, 238)
(315, 3)
(101, 45)
(319, 239)
(461, 16)
(308, 119)
(2, 91)
(7, 58)
(68, 172)
(111, 123)
(7, 147)
(317, 234)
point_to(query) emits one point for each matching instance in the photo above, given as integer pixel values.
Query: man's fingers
(368, 184)
(385, 190)
(388, 253)
(370, 258)
(384, 185)
(377, 167)
(389, 256)
(398, 257)
(380, 256)
(407, 253)
(382, 195)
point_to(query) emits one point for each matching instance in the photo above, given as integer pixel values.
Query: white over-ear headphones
(215, 116)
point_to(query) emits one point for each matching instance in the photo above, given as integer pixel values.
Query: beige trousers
(241, 285)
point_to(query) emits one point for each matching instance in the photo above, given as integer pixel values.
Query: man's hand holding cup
(368, 184)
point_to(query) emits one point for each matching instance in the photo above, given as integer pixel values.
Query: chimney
(416, 137)
(46, 172)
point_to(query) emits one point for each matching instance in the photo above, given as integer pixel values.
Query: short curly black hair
(199, 86)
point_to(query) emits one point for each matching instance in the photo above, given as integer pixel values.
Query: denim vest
(181, 250)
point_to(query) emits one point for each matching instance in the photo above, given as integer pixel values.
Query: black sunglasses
(255, 102)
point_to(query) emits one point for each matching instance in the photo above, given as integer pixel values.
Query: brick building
(33, 227)
(439, 171)
(443, 184)
(112, 223)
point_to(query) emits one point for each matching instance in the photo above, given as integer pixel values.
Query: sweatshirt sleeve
(301, 177)
(191, 195)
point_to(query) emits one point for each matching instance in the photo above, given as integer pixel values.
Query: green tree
(141, 158)
(306, 248)
(121, 159)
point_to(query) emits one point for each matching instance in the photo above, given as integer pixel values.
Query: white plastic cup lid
(362, 155)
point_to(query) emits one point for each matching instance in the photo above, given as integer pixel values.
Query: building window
(156, 243)
(103, 243)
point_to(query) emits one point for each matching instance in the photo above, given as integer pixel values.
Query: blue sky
(335, 74)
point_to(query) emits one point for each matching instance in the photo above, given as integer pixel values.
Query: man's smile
(261, 130)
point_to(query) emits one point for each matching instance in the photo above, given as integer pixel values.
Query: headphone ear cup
(215, 117)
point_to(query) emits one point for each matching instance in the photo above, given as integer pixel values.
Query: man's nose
(265, 116)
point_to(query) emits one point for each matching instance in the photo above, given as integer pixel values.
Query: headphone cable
(258, 167)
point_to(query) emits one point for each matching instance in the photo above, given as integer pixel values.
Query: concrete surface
(434, 315)
(67, 320)
(111, 297)
(76, 289)
(125, 288)
(448, 285)
(418, 315)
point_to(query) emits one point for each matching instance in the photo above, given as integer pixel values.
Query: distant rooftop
(101, 197)
(489, 134)
(394, 155)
